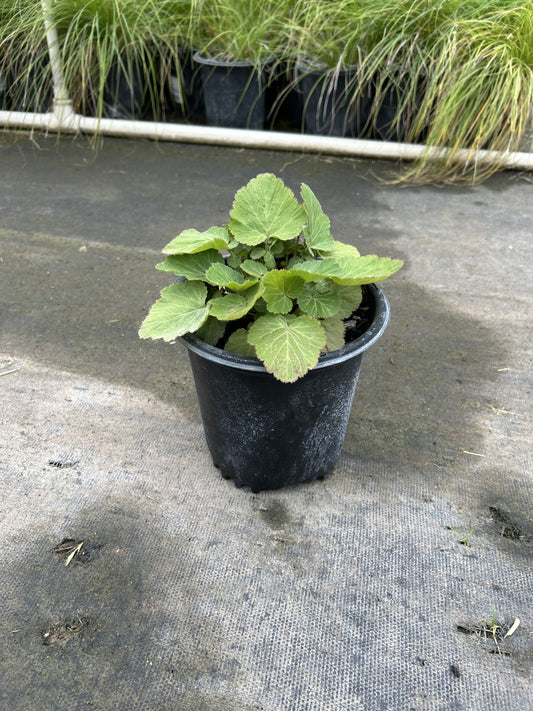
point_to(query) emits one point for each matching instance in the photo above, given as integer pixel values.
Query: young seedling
(463, 540)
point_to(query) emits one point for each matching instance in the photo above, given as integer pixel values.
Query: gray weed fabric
(134, 577)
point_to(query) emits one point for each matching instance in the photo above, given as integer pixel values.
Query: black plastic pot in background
(233, 93)
(186, 89)
(331, 103)
(283, 100)
(266, 434)
(2, 91)
(27, 83)
(124, 91)
(389, 125)
(393, 120)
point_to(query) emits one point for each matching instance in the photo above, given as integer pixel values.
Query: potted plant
(236, 41)
(483, 99)
(25, 70)
(402, 42)
(276, 315)
(326, 38)
(110, 54)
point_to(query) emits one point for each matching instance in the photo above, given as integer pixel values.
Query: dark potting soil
(362, 317)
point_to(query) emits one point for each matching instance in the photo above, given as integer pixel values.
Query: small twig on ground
(498, 411)
(290, 162)
(13, 370)
(73, 553)
(512, 629)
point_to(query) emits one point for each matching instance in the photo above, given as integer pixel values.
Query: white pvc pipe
(63, 118)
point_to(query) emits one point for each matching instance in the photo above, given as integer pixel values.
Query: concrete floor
(353, 593)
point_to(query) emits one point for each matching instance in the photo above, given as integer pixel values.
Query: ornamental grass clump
(100, 40)
(24, 60)
(273, 283)
(463, 73)
(241, 30)
(482, 100)
(325, 34)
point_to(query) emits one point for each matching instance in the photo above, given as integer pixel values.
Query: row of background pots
(230, 94)
(238, 95)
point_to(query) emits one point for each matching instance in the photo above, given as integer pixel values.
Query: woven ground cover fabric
(135, 577)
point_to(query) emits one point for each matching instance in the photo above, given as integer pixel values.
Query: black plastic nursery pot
(265, 434)
(329, 105)
(392, 122)
(27, 85)
(123, 91)
(234, 94)
(187, 89)
(283, 100)
(390, 127)
(2, 90)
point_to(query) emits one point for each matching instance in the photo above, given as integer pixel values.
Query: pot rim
(213, 62)
(308, 68)
(350, 350)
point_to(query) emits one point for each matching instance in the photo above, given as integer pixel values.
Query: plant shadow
(421, 389)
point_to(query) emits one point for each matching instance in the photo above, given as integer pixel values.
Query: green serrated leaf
(260, 306)
(334, 330)
(270, 260)
(277, 248)
(234, 306)
(350, 270)
(238, 343)
(281, 287)
(234, 260)
(192, 241)
(228, 308)
(265, 208)
(257, 253)
(350, 297)
(318, 268)
(318, 302)
(289, 346)
(211, 331)
(256, 269)
(191, 266)
(220, 233)
(340, 249)
(222, 275)
(367, 269)
(317, 232)
(247, 284)
(181, 309)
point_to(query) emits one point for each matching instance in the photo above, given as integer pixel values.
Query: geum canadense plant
(273, 283)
